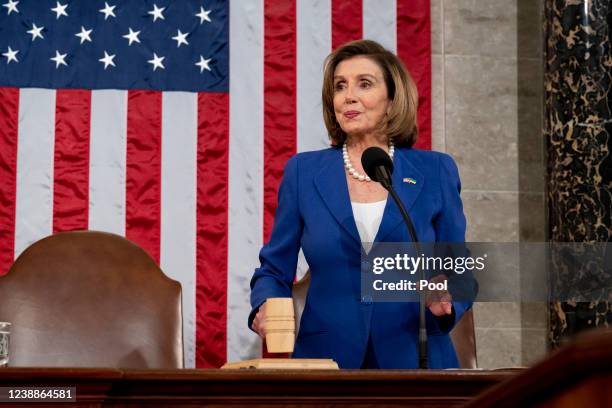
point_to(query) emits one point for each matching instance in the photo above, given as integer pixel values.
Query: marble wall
(487, 113)
(578, 62)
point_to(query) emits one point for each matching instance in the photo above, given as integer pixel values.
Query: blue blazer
(314, 213)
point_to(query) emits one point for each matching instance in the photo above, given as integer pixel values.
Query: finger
(435, 309)
(440, 308)
(258, 326)
(259, 331)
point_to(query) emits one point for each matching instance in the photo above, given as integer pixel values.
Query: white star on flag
(10, 55)
(108, 11)
(157, 12)
(59, 59)
(132, 36)
(107, 60)
(11, 6)
(203, 64)
(35, 31)
(180, 38)
(84, 35)
(60, 10)
(203, 14)
(157, 62)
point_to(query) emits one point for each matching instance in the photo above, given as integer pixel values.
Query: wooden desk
(216, 388)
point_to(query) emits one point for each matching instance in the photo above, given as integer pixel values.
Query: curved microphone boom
(379, 167)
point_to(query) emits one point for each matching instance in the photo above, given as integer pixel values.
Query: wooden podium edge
(588, 355)
(284, 364)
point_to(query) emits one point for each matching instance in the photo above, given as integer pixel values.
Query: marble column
(577, 126)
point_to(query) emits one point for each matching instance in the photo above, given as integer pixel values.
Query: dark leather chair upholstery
(462, 335)
(91, 299)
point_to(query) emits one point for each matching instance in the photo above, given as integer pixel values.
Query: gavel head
(279, 325)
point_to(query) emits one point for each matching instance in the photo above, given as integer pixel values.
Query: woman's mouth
(351, 114)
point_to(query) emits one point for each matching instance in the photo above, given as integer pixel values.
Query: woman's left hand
(439, 301)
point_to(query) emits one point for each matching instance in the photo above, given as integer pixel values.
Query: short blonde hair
(400, 124)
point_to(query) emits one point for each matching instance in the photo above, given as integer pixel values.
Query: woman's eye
(339, 86)
(366, 84)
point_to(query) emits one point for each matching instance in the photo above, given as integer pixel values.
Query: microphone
(379, 167)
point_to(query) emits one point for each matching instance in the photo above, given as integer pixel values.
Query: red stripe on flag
(347, 21)
(212, 229)
(9, 119)
(414, 48)
(280, 103)
(143, 170)
(280, 111)
(71, 160)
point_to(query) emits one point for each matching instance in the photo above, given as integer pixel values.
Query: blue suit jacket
(314, 213)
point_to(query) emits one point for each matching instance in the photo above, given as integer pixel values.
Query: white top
(368, 217)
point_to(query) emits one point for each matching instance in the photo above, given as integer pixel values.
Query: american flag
(169, 122)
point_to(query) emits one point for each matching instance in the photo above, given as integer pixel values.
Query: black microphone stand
(385, 180)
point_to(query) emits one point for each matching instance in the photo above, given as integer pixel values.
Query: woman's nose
(349, 97)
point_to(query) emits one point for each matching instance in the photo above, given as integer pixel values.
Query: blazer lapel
(333, 188)
(407, 191)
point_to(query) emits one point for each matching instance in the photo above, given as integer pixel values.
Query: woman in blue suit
(329, 207)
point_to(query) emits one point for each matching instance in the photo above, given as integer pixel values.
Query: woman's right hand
(259, 321)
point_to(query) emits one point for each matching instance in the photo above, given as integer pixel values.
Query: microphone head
(374, 157)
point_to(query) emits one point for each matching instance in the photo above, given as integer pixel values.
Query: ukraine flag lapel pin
(409, 180)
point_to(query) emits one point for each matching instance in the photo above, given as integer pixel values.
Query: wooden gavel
(280, 325)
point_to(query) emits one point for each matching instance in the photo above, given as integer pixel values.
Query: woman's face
(360, 96)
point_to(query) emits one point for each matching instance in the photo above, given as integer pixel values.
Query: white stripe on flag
(107, 156)
(245, 171)
(178, 203)
(313, 45)
(34, 196)
(379, 22)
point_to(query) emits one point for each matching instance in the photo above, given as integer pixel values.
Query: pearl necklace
(349, 166)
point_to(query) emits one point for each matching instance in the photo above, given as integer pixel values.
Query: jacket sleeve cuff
(253, 314)
(438, 325)
(447, 322)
